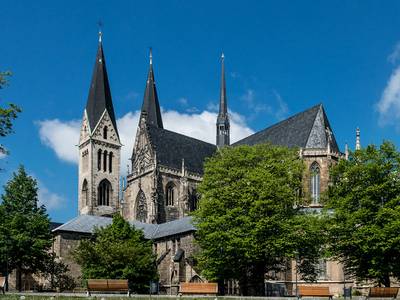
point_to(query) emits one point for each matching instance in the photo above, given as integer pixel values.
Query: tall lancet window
(104, 193)
(170, 194)
(105, 153)
(105, 132)
(110, 161)
(315, 182)
(99, 160)
(141, 207)
(85, 192)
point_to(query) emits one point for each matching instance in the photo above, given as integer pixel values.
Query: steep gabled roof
(172, 147)
(99, 98)
(85, 224)
(308, 129)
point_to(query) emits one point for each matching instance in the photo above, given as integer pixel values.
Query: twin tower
(99, 187)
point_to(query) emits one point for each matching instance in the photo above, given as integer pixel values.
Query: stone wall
(63, 246)
(172, 267)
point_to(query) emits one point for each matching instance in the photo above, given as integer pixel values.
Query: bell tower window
(105, 132)
(104, 192)
(105, 153)
(110, 161)
(99, 159)
(85, 192)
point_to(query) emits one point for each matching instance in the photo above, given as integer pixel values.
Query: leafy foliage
(56, 272)
(24, 228)
(248, 223)
(365, 196)
(118, 251)
(7, 114)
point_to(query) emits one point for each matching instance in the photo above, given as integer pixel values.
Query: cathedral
(166, 166)
(160, 190)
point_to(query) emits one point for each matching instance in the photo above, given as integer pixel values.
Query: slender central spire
(223, 127)
(99, 98)
(223, 109)
(151, 107)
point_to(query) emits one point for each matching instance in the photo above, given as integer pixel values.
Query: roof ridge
(281, 122)
(181, 134)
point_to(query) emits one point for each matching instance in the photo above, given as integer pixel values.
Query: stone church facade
(160, 190)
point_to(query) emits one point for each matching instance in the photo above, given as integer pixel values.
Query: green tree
(7, 114)
(365, 226)
(118, 251)
(56, 272)
(24, 228)
(248, 223)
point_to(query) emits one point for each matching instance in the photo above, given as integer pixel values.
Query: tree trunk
(18, 277)
(243, 288)
(386, 280)
(257, 280)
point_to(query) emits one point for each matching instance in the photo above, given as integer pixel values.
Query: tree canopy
(118, 251)
(248, 220)
(7, 114)
(365, 226)
(24, 228)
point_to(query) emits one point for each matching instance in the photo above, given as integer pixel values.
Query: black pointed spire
(99, 98)
(223, 108)
(223, 127)
(151, 107)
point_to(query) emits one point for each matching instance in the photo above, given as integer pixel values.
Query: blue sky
(281, 58)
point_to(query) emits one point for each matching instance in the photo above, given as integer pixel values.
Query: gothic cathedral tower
(99, 147)
(223, 127)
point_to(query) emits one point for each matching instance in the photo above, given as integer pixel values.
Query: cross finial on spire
(100, 24)
(151, 55)
(222, 55)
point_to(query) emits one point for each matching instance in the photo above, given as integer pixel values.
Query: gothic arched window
(170, 194)
(105, 160)
(193, 200)
(105, 131)
(85, 192)
(315, 182)
(104, 193)
(141, 207)
(99, 160)
(110, 159)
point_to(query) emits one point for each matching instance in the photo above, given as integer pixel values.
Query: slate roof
(54, 225)
(172, 147)
(99, 98)
(85, 224)
(151, 106)
(308, 129)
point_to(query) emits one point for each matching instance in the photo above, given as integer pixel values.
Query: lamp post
(297, 292)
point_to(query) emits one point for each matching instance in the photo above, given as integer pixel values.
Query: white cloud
(183, 101)
(51, 200)
(250, 98)
(283, 109)
(62, 136)
(127, 132)
(395, 55)
(389, 104)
